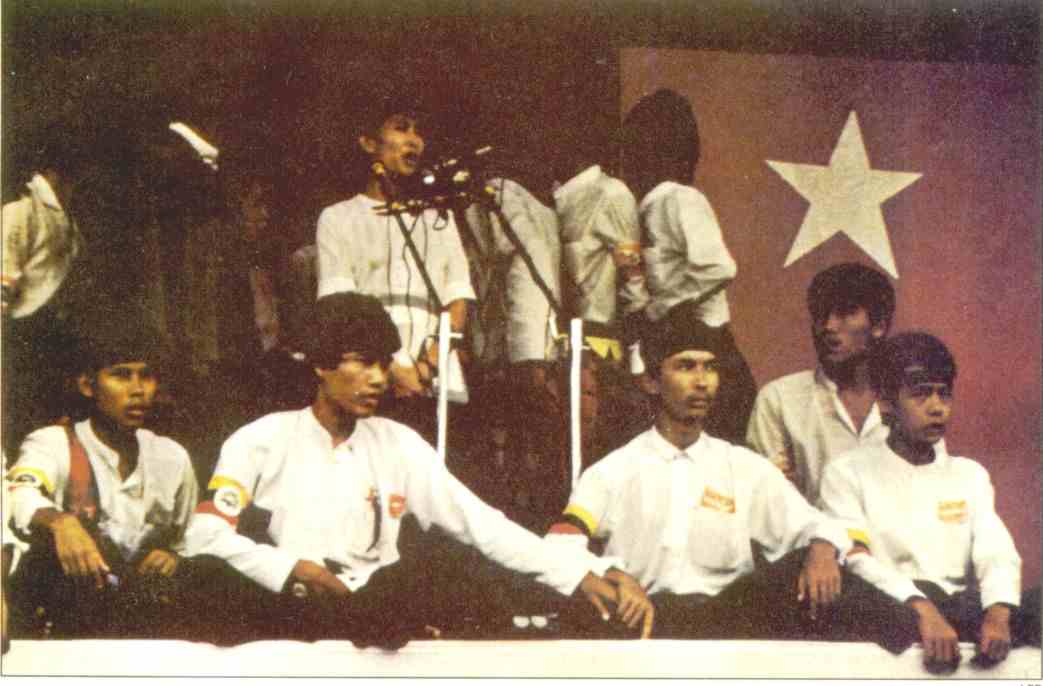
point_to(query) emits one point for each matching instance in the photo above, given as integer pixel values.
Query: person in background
(803, 420)
(924, 521)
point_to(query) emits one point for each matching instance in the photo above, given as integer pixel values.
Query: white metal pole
(444, 335)
(575, 392)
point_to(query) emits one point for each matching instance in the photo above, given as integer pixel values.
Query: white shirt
(802, 417)
(935, 522)
(153, 503)
(684, 252)
(322, 504)
(524, 309)
(361, 251)
(599, 213)
(40, 243)
(682, 520)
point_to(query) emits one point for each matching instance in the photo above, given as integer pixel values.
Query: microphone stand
(488, 200)
(395, 209)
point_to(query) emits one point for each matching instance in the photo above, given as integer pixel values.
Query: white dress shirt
(361, 251)
(682, 520)
(324, 502)
(153, 503)
(801, 417)
(935, 522)
(684, 252)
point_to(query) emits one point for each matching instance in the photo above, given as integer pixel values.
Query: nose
(936, 404)
(137, 384)
(378, 376)
(416, 139)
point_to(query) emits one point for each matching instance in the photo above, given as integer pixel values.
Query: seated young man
(802, 420)
(681, 507)
(928, 532)
(104, 502)
(301, 525)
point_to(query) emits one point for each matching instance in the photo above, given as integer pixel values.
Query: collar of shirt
(584, 178)
(941, 457)
(668, 452)
(653, 195)
(873, 419)
(97, 448)
(41, 188)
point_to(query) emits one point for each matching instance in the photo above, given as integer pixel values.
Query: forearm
(457, 315)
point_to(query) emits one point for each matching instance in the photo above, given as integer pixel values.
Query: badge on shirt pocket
(952, 511)
(713, 500)
(396, 505)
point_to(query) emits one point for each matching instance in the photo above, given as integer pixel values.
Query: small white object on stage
(521, 658)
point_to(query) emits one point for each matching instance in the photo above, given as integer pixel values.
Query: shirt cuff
(274, 574)
(1001, 588)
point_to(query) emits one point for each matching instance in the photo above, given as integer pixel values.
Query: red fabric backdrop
(965, 235)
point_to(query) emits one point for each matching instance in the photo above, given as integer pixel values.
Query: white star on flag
(844, 197)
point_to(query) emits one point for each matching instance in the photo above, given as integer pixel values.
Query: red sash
(81, 492)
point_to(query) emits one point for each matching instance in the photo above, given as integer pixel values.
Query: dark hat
(679, 330)
(349, 322)
(909, 359)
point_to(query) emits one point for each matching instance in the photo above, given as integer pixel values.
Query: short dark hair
(660, 137)
(848, 285)
(349, 322)
(105, 342)
(382, 107)
(910, 358)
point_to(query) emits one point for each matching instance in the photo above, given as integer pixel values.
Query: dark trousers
(763, 605)
(438, 582)
(45, 603)
(965, 613)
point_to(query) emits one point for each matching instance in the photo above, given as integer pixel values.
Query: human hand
(598, 592)
(318, 580)
(159, 563)
(819, 580)
(994, 642)
(405, 381)
(77, 552)
(634, 606)
(940, 641)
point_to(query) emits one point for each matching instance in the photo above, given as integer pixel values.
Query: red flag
(927, 171)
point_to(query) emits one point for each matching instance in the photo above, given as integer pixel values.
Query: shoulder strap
(81, 491)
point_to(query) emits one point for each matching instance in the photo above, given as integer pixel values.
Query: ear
(367, 144)
(649, 384)
(85, 384)
(878, 330)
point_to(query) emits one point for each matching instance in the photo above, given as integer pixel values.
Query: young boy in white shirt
(924, 521)
(104, 502)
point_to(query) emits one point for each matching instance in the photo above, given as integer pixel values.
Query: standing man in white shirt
(361, 249)
(687, 264)
(924, 521)
(680, 508)
(300, 528)
(803, 420)
(104, 502)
